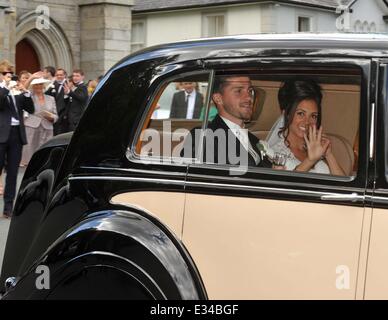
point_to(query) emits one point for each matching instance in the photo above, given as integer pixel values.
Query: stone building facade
(87, 34)
(186, 19)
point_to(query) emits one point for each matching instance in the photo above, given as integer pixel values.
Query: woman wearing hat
(39, 126)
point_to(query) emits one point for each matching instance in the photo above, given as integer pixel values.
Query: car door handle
(354, 197)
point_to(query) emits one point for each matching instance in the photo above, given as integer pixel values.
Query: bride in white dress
(300, 135)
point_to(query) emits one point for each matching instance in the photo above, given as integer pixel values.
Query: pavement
(4, 223)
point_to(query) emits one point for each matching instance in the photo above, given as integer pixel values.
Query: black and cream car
(111, 220)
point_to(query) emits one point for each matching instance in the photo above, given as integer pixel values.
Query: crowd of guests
(34, 107)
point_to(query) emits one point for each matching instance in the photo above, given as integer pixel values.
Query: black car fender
(115, 254)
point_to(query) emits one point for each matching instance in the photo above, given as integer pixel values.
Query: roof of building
(161, 5)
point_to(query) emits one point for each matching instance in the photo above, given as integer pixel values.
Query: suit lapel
(197, 105)
(14, 105)
(183, 111)
(265, 161)
(57, 87)
(254, 141)
(219, 123)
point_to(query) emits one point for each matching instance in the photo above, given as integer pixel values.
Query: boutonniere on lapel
(265, 150)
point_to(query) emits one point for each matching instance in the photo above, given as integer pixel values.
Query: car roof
(268, 45)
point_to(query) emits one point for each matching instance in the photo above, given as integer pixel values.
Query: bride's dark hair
(291, 94)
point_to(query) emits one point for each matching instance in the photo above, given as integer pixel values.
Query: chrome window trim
(212, 185)
(273, 172)
(222, 179)
(262, 189)
(133, 179)
(372, 132)
(216, 167)
(206, 118)
(384, 97)
(142, 171)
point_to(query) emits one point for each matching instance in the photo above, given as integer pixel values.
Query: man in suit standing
(12, 137)
(234, 97)
(57, 91)
(76, 93)
(48, 73)
(186, 104)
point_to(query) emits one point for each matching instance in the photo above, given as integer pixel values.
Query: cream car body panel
(168, 207)
(364, 251)
(377, 275)
(266, 249)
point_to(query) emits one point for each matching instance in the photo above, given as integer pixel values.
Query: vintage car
(113, 211)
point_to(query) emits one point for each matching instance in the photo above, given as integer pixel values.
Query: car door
(271, 234)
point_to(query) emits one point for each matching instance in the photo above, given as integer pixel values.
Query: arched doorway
(26, 57)
(51, 45)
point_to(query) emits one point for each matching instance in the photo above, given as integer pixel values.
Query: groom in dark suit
(187, 104)
(234, 97)
(76, 95)
(12, 139)
(57, 91)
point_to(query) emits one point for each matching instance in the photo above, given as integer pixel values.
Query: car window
(239, 121)
(272, 120)
(178, 106)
